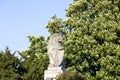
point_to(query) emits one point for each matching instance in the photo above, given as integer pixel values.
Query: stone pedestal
(52, 73)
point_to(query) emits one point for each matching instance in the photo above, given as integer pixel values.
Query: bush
(70, 76)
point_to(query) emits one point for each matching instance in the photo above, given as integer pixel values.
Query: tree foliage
(56, 25)
(92, 38)
(70, 76)
(35, 60)
(9, 66)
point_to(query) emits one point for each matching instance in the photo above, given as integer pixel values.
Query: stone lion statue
(55, 50)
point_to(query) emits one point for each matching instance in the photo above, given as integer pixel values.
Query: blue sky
(21, 18)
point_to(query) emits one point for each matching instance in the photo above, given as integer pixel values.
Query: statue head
(55, 40)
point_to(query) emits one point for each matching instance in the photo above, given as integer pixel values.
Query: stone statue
(55, 54)
(55, 50)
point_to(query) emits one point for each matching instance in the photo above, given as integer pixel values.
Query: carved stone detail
(55, 50)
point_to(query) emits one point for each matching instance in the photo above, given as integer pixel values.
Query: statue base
(52, 73)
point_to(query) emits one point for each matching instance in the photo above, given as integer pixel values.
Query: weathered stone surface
(55, 50)
(52, 73)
